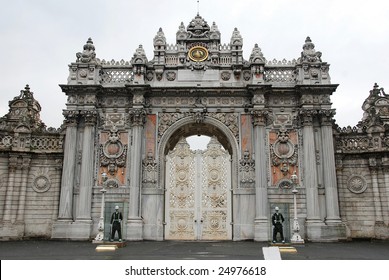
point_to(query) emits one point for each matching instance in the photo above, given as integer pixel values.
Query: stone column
(69, 162)
(329, 174)
(87, 168)
(376, 192)
(9, 197)
(23, 189)
(134, 222)
(310, 171)
(261, 222)
(385, 170)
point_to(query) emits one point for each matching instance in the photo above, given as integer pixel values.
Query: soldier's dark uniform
(277, 220)
(116, 218)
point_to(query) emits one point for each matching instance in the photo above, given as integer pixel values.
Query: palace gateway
(268, 122)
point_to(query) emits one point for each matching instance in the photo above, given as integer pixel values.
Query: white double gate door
(198, 193)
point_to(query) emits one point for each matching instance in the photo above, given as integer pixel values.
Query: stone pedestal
(80, 230)
(10, 231)
(261, 230)
(134, 229)
(320, 232)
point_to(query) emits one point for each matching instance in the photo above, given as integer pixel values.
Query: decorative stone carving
(247, 170)
(114, 121)
(149, 75)
(257, 55)
(171, 75)
(228, 119)
(88, 55)
(225, 75)
(137, 117)
(259, 117)
(246, 75)
(198, 28)
(41, 184)
(283, 152)
(356, 184)
(285, 184)
(150, 169)
(309, 54)
(113, 153)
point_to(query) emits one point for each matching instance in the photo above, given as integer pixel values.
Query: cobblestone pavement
(151, 250)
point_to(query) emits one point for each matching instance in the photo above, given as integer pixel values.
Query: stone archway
(204, 223)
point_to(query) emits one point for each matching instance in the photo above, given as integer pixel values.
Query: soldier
(277, 220)
(116, 220)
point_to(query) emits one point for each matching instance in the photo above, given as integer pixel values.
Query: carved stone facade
(129, 119)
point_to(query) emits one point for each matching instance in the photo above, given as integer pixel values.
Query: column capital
(90, 117)
(307, 116)
(326, 116)
(71, 117)
(259, 117)
(137, 117)
(12, 163)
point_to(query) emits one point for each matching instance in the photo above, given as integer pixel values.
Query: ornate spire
(24, 113)
(181, 33)
(236, 38)
(198, 28)
(159, 39)
(88, 55)
(139, 56)
(214, 33)
(309, 54)
(257, 55)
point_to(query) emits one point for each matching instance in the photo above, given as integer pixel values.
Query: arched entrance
(198, 184)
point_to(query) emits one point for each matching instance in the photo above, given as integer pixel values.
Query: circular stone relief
(113, 149)
(283, 149)
(41, 184)
(356, 184)
(285, 184)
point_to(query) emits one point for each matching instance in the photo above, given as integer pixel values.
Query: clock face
(198, 53)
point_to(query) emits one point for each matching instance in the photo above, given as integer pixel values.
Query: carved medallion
(356, 184)
(41, 184)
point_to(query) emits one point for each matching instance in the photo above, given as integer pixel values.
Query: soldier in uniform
(277, 220)
(116, 220)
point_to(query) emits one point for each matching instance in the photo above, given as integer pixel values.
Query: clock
(198, 54)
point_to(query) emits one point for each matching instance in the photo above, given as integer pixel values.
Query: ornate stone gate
(198, 193)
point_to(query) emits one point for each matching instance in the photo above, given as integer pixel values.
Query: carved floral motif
(357, 184)
(283, 152)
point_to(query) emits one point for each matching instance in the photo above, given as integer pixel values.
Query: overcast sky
(39, 38)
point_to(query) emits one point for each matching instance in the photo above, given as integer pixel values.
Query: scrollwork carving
(113, 153)
(283, 152)
(137, 117)
(247, 170)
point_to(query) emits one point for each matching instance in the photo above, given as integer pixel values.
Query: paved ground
(149, 250)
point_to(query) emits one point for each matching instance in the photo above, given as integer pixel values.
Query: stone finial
(139, 56)
(214, 33)
(181, 33)
(159, 39)
(257, 55)
(198, 28)
(236, 38)
(26, 93)
(376, 107)
(309, 54)
(24, 113)
(88, 55)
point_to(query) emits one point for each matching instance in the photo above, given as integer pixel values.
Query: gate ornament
(113, 153)
(283, 152)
